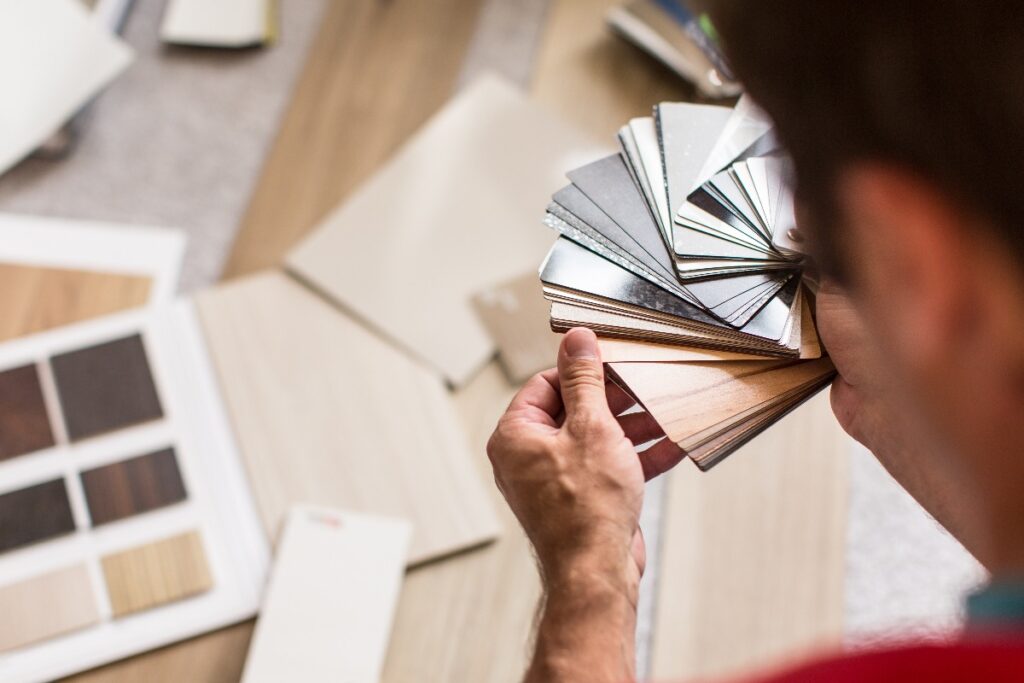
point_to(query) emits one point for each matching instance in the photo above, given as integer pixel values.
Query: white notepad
(218, 23)
(54, 58)
(333, 591)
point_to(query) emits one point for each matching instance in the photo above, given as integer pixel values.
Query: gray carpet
(177, 141)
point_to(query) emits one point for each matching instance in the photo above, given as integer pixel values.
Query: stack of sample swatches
(682, 253)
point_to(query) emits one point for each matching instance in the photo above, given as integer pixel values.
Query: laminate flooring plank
(470, 617)
(376, 72)
(36, 299)
(327, 413)
(753, 553)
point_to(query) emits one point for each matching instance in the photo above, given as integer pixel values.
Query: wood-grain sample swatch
(133, 486)
(46, 606)
(106, 387)
(24, 423)
(157, 573)
(360, 426)
(34, 514)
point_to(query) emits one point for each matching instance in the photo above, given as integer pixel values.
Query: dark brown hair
(934, 86)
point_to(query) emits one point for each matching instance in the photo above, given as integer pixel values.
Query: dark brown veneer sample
(133, 486)
(24, 424)
(106, 387)
(34, 514)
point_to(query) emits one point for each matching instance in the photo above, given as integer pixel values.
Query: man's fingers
(581, 376)
(618, 399)
(660, 458)
(539, 399)
(640, 427)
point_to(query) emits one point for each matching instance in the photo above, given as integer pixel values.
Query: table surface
(374, 73)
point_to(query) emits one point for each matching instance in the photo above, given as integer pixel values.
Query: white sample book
(333, 591)
(54, 57)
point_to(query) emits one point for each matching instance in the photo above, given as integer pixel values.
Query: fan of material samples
(681, 253)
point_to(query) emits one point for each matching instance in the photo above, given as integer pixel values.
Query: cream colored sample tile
(46, 606)
(327, 413)
(456, 210)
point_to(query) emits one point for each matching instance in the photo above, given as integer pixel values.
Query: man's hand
(575, 482)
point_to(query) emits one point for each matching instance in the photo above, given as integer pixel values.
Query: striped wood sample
(327, 413)
(45, 606)
(133, 486)
(150, 575)
(24, 421)
(35, 513)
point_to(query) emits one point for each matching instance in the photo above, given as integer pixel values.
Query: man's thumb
(581, 373)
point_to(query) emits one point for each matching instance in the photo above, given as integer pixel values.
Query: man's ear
(910, 259)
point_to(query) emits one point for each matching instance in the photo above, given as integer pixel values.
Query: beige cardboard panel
(456, 210)
(515, 314)
(328, 413)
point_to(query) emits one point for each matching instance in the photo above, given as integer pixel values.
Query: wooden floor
(376, 71)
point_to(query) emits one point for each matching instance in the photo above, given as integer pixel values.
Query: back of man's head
(936, 86)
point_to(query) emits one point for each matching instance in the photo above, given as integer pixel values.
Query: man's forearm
(588, 628)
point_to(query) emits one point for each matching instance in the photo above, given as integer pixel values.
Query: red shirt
(985, 659)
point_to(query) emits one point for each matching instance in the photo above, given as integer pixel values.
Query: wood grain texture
(594, 78)
(24, 420)
(36, 299)
(34, 513)
(752, 553)
(157, 573)
(375, 73)
(327, 413)
(45, 606)
(133, 486)
(105, 387)
(690, 398)
(470, 617)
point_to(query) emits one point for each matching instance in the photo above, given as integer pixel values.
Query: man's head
(905, 121)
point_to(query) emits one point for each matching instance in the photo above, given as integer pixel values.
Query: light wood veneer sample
(688, 398)
(37, 299)
(157, 573)
(45, 606)
(327, 413)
